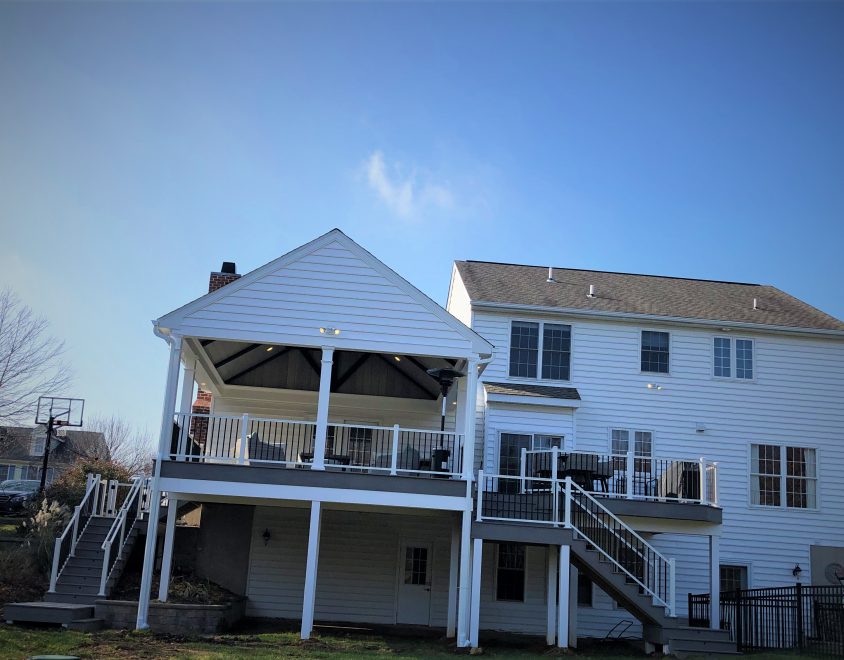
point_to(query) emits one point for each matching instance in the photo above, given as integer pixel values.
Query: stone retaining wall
(172, 618)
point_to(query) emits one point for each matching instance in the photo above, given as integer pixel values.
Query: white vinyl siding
(797, 393)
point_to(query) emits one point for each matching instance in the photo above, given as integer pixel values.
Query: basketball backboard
(63, 410)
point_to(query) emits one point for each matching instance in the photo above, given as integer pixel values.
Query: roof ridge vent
(591, 293)
(550, 274)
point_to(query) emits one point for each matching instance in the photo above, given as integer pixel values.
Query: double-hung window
(539, 349)
(732, 358)
(643, 442)
(783, 476)
(732, 578)
(510, 456)
(510, 572)
(655, 352)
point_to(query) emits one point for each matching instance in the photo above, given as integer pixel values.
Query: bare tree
(31, 360)
(127, 445)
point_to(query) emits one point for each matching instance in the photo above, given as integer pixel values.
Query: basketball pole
(46, 454)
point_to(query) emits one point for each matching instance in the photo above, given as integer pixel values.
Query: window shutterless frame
(524, 572)
(782, 477)
(732, 343)
(540, 349)
(659, 374)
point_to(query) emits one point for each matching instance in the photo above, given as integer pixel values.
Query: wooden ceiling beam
(407, 377)
(234, 356)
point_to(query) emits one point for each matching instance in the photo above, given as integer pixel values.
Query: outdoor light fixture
(266, 536)
(397, 358)
(796, 571)
(269, 348)
(329, 331)
(654, 386)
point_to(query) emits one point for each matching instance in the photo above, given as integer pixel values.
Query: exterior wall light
(329, 331)
(654, 386)
(796, 571)
(266, 536)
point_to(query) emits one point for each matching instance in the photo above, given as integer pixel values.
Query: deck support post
(453, 573)
(564, 577)
(311, 565)
(167, 558)
(469, 411)
(551, 596)
(714, 582)
(322, 408)
(164, 439)
(475, 623)
(464, 601)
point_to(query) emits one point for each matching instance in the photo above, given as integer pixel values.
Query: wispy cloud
(406, 195)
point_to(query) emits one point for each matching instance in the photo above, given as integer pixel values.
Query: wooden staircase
(89, 556)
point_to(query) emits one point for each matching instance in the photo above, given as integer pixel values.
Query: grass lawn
(20, 642)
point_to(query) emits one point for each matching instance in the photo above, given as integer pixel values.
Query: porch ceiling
(298, 368)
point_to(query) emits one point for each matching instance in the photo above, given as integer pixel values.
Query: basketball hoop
(55, 411)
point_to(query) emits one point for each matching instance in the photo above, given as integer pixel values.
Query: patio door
(414, 597)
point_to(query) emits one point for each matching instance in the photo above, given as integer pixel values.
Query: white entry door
(414, 603)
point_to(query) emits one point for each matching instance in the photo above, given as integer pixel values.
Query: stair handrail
(130, 504)
(87, 504)
(664, 597)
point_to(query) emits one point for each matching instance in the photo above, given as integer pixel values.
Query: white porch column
(551, 596)
(167, 559)
(322, 408)
(188, 379)
(475, 622)
(564, 575)
(164, 440)
(464, 600)
(714, 582)
(469, 411)
(453, 572)
(311, 565)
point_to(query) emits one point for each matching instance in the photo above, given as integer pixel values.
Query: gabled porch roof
(329, 292)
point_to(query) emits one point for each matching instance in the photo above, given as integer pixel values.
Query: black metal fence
(808, 618)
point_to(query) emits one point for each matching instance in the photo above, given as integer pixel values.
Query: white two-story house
(559, 453)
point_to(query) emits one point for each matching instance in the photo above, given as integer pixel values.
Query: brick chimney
(227, 274)
(199, 425)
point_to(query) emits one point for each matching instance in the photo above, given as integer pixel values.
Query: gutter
(571, 311)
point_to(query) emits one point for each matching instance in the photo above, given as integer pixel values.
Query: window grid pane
(733, 578)
(766, 475)
(722, 357)
(620, 441)
(744, 358)
(556, 351)
(801, 478)
(655, 351)
(416, 566)
(524, 349)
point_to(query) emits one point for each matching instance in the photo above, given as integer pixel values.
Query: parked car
(15, 493)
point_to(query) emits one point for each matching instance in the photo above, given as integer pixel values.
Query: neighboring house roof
(649, 295)
(542, 391)
(16, 444)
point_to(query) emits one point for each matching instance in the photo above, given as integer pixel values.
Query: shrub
(69, 488)
(20, 577)
(41, 530)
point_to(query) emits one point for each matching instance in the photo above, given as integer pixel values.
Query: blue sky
(143, 144)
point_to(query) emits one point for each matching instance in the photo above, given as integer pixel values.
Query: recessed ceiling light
(269, 348)
(397, 358)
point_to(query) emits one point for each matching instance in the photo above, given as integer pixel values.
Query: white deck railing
(561, 502)
(248, 440)
(628, 476)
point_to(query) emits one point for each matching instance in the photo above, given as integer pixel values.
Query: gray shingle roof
(640, 294)
(543, 391)
(16, 445)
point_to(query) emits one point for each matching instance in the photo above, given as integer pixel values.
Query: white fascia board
(532, 400)
(681, 320)
(314, 494)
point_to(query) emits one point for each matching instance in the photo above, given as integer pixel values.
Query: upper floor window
(783, 476)
(643, 442)
(655, 351)
(37, 445)
(733, 358)
(540, 348)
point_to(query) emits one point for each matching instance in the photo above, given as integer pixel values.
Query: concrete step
(86, 625)
(54, 612)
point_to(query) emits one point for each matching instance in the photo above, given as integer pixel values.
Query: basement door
(414, 601)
